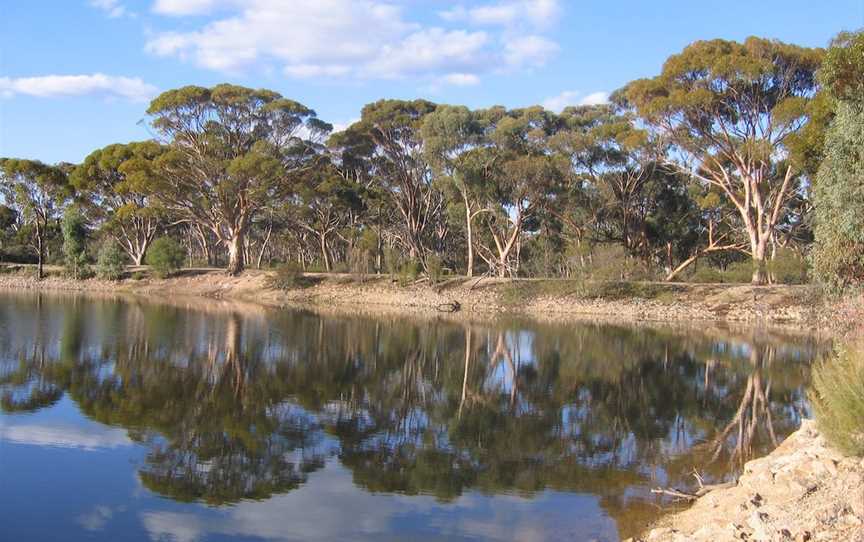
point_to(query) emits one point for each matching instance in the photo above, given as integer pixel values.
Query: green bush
(74, 229)
(435, 268)
(392, 261)
(287, 276)
(735, 273)
(838, 399)
(409, 272)
(165, 256)
(788, 267)
(838, 202)
(611, 262)
(316, 267)
(111, 262)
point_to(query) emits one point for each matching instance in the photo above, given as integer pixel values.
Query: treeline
(715, 169)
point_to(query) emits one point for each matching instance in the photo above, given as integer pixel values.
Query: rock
(856, 504)
(756, 522)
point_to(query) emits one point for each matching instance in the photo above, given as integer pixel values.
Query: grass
(838, 399)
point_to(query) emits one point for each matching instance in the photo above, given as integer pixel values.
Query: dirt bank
(560, 299)
(802, 491)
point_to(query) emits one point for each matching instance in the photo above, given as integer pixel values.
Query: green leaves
(842, 72)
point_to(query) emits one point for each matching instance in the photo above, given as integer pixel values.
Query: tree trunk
(142, 251)
(470, 232)
(40, 254)
(324, 254)
(760, 268)
(264, 246)
(236, 261)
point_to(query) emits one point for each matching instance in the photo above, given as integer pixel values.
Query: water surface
(187, 422)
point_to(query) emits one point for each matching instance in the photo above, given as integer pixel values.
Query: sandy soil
(798, 306)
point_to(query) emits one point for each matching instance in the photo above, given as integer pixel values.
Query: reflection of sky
(329, 507)
(61, 428)
(87, 487)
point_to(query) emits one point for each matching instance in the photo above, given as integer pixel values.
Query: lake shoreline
(803, 490)
(800, 307)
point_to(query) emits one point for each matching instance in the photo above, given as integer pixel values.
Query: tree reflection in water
(235, 406)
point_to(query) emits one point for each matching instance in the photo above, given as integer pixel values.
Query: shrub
(706, 274)
(788, 267)
(287, 276)
(111, 262)
(838, 399)
(409, 272)
(738, 273)
(435, 268)
(392, 261)
(838, 202)
(74, 229)
(360, 262)
(165, 256)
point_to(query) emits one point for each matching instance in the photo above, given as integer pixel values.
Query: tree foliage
(231, 149)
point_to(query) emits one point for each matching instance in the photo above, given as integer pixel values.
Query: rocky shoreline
(801, 491)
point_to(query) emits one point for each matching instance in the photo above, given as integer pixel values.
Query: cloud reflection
(89, 438)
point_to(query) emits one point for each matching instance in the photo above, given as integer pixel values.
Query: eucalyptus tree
(454, 139)
(387, 141)
(121, 181)
(522, 175)
(37, 192)
(325, 203)
(231, 149)
(729, 109)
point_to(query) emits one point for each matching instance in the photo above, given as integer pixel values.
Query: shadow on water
(233, 406)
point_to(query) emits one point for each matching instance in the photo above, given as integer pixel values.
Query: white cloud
(461, 79)
(113, 8)
(529, 51)
(595, 98)
(571, 97)
(45, 86)
(512, 13)
(351, 38)
(307, 514)
(185, 7)
(342, 126)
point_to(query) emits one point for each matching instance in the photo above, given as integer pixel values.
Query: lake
(189, 421)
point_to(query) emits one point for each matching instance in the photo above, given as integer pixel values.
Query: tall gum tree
(729, 109)
(453, 139)
(387, 140)
(524, 175)
(120, 180)
(231, 150)
(37, 192)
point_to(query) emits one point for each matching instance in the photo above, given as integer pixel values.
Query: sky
(76, 75)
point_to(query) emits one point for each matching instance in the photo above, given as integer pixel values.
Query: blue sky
(76, 75)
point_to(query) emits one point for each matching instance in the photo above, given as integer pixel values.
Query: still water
(199, 421)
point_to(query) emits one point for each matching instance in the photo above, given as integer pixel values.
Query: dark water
(136, 421)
